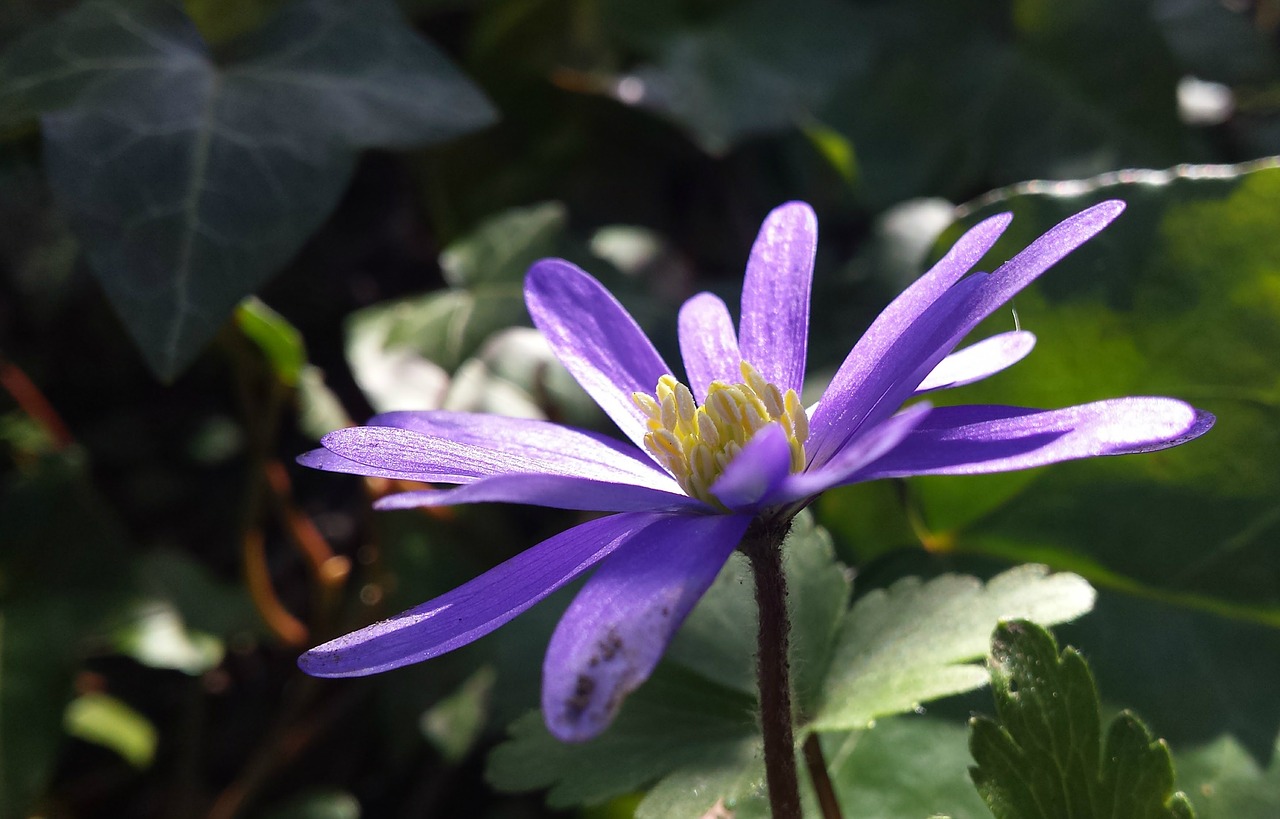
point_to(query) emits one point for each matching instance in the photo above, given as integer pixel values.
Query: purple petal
(531, 438)
(554, 491)
(596, 340)
(774, 330)
(756, 472)
(849, 406)
(899, 317)
(972, 440)
(863, 450)
(618, 626)
(476, 608)
(439, 460)
(708, 344)
(1039, 256)
(917, 348)
(978, 361)
(328, 461)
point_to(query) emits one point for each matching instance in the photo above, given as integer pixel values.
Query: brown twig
(33, 402)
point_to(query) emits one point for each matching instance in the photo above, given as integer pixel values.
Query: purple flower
(707, 459)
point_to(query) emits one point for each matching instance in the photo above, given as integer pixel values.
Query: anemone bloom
(730, 445)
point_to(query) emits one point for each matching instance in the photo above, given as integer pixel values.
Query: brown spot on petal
(581, 695)
(610, 646)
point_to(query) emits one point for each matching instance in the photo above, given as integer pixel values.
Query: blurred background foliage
(228, 226)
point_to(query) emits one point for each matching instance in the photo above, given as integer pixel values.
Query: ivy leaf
(191, 181)
(914, 641)
(1045, 759)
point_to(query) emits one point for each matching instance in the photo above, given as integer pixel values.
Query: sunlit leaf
(1178, 297)
(107, 721)
(914, 641)
(1046, 756)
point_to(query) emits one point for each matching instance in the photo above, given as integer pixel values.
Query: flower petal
(756, 472)
(847, 407)
(418, 457)
(916, 349)
(978, 361)
(847, 463)
(618, 626)
(328, 461)
(972, 440)
(554, 491)
(774, 330)
(708, 344)
(531, 438)
(596, 339)
(475, 608)
(902, 314)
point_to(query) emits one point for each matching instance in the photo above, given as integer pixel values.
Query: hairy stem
(763, 547)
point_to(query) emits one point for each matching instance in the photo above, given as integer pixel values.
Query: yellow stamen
(695, 443)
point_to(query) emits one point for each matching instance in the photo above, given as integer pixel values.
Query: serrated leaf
(1043, 759)
(104, 720)
(189, 182)
(914, 642)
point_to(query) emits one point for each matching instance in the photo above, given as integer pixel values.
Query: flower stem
(763, 547)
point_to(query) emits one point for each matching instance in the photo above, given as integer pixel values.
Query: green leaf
(104, 720)
(961, 96)
(690, 731)
(914, 641)
(718, 640)
(279, 340)
(1225, 782)
(759, 68)
(190, 182)
(907, 767)
(404, 352)
(1162, 658)
(691, 728)
(64, 570)
(501, 248)
(454, 723)
(317, 804)
(1178, 297)
(674, 720)
(1045, 757)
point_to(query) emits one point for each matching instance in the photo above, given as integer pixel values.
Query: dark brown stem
(763, 547)
(817, 765)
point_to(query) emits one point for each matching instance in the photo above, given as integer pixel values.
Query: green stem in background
(763, 547)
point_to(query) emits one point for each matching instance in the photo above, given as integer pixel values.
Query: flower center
(695, 443)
